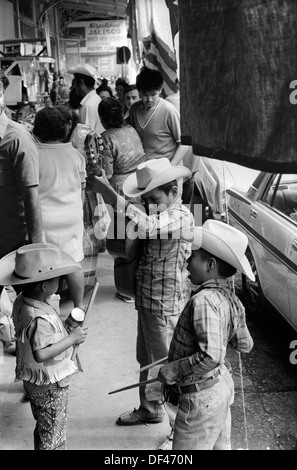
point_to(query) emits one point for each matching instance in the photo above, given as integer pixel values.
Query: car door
(292, 274)
(265, 229)
(270, 218)
(288, 190)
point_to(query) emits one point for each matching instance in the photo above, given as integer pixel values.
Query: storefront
(96, 42)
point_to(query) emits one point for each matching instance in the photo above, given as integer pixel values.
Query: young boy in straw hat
(44, 345)
(212, 318)
(161, 274)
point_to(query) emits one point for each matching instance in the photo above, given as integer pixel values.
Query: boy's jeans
(203, 420)
(153, 340)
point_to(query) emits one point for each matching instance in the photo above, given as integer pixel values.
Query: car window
(282, 195)
(255, 185)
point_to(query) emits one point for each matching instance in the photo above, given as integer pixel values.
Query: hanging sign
(98, 37)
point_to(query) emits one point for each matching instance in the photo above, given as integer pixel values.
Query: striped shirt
(212, 318)
(161, 274)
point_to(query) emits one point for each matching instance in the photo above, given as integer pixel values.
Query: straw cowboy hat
(84, 69)
(223, 241)
(151, 174)
(34, 263)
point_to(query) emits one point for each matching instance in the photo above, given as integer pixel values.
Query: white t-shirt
(61, 174)
(88, 112)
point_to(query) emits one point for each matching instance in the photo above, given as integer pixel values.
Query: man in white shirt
(85, 78)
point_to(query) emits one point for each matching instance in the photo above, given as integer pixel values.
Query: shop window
(26, 9)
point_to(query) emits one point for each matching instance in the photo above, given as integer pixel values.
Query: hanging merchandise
(238, 70)
(150, 23)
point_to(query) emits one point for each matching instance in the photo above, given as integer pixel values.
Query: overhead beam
(52, 4)
(101, 8)
(19, 40)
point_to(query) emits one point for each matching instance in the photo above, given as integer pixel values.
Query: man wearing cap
(85, 79)
(213, 318)
(20, 213)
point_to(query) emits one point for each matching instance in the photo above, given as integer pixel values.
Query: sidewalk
(108, 360)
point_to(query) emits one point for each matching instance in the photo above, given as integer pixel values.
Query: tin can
(74, 319)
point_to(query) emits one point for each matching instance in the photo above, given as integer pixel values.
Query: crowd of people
(123, 152)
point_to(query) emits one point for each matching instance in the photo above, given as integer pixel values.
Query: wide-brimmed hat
(34, 263)
(84, 69)
(221, 240)
(152, 174)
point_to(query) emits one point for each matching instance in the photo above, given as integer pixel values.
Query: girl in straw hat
(44, 345)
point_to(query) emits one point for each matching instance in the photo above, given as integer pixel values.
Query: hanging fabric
(238, 65)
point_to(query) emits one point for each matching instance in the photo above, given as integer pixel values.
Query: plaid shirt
(162, 273)
(212, 318)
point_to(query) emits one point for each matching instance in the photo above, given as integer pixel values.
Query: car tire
(253, 297)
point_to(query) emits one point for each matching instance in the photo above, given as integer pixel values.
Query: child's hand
(100, 184)
(79, 334)
(97, 183)
(169, 373)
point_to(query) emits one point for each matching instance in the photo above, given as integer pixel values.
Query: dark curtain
(238, 60)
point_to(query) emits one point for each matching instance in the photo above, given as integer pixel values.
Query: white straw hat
(34, 263)
(152, 174)
(221, 240)
(84, 69)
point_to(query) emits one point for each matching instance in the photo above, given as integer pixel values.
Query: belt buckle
(197, 386)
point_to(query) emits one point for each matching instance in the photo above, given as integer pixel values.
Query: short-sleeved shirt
(19, 168)
(88, 112)
(213, 317)
(122, 154)
(161, 134)
(62, 172)
(161, 274)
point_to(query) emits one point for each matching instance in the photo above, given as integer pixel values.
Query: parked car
(213, 177)
(267, 214)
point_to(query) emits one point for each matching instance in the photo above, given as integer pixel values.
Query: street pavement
(264, 412)
(109, 362)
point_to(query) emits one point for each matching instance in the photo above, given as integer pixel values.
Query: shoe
(125, 298)
(134, 417)
(167, 443)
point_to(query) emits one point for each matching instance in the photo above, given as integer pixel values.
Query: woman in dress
(61, 187)
(123, 150)
(122, 153)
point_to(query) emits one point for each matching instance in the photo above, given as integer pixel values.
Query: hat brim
(218, 247)
(8, 278)
(131, 189)
(83, 71)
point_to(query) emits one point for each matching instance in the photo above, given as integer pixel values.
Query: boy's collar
(211, 283)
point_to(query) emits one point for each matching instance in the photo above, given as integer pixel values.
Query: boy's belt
(196, 387)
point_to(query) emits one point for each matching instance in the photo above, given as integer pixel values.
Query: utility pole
(57, 41)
